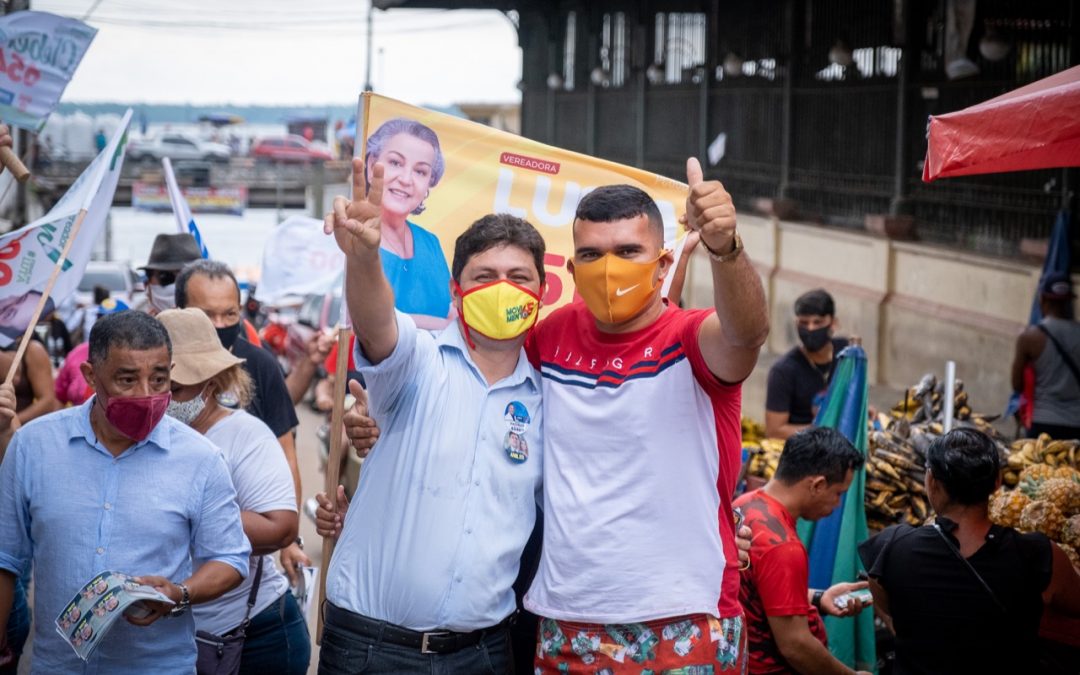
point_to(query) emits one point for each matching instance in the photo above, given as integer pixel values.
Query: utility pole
(370, 33)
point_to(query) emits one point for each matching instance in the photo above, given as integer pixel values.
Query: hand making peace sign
(356, 223)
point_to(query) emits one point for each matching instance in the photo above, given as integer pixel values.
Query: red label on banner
(541, 165)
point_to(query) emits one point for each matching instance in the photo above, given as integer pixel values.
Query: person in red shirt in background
(71, 387)
(783, 615)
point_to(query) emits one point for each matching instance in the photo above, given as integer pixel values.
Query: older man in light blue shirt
(421, 580)
(111, 486)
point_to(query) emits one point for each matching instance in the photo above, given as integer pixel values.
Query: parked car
(178, 146)
(122, 281)
(289, 149)
(320, 311)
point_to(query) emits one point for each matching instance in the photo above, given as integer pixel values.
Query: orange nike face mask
(614, 289)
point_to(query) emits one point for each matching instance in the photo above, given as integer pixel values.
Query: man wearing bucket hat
(168, 256)
(1052, 348)
(114, 484)
(275, 634)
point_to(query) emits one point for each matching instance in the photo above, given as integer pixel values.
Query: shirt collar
(450, 338)
(159, 437)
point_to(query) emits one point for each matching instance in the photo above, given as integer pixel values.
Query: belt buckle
(424, 641)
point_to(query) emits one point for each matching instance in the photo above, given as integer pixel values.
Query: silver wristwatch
(185, 602)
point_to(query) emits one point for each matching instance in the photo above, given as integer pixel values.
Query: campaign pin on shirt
(515, 442)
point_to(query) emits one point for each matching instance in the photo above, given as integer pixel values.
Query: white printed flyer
(98, 605)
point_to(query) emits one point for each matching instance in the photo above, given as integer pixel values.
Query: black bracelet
(815, 600)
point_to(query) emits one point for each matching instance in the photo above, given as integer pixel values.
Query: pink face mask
(136, 416)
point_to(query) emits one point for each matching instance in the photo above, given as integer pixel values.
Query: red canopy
(1033, 127)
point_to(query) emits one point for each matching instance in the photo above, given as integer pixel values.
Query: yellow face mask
(500, 310)
(614, 289)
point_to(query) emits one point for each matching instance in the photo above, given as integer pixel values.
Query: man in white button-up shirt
(422, 577)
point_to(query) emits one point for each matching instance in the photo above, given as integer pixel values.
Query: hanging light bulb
(554, 81)
(598, 76)
(655, 73)
(733, 64)
(840, 54)
(992, 46)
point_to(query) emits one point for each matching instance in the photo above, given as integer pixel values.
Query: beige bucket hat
(197, 352)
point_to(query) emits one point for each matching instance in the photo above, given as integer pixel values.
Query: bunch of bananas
(764, 456)
(925, 403)
(898, 442)
(1043, 450)
(752, 431)
(894, 478)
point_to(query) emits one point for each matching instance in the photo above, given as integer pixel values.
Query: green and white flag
(29, 254)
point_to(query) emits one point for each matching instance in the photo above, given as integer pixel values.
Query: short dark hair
(617, 202)
(817, 302)
(498, 229)
(129, 329)
(101, 294)
(213, 269)
(967, 464)
(817, 451)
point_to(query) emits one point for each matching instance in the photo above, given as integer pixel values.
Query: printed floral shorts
(689, 645)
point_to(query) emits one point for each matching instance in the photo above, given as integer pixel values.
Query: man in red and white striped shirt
(642, 444)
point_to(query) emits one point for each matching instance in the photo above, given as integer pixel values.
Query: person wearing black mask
(211, 286)
(798, 381)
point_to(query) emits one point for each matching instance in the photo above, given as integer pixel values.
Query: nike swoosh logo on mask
(619, 292)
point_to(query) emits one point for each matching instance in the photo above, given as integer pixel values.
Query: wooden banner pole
(341, 375)
(333, 461)
(13, 164)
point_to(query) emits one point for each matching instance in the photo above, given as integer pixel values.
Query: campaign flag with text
(483, 170)
(39, 53)
(185, 222)
(298, 260)
(29, 254)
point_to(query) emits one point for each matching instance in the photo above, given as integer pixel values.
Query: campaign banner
(461, 171)
(298, 259)
(39, 53)
(29, 254)
(154, 197)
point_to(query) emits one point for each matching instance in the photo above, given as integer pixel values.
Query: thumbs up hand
(359, 427)
(709, 210)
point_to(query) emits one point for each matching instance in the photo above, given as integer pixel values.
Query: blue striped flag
(831, 541)
(185, 222)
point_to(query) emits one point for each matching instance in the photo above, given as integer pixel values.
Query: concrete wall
(914, 306)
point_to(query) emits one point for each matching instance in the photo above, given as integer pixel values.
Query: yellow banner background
(493, 171)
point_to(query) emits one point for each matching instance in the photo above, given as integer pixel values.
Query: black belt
(429, 642)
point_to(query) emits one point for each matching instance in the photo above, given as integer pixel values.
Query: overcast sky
(288, 52)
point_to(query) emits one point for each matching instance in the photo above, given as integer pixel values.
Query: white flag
(29, 254)
(39, 53)
(298, 259)
(185, 222)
